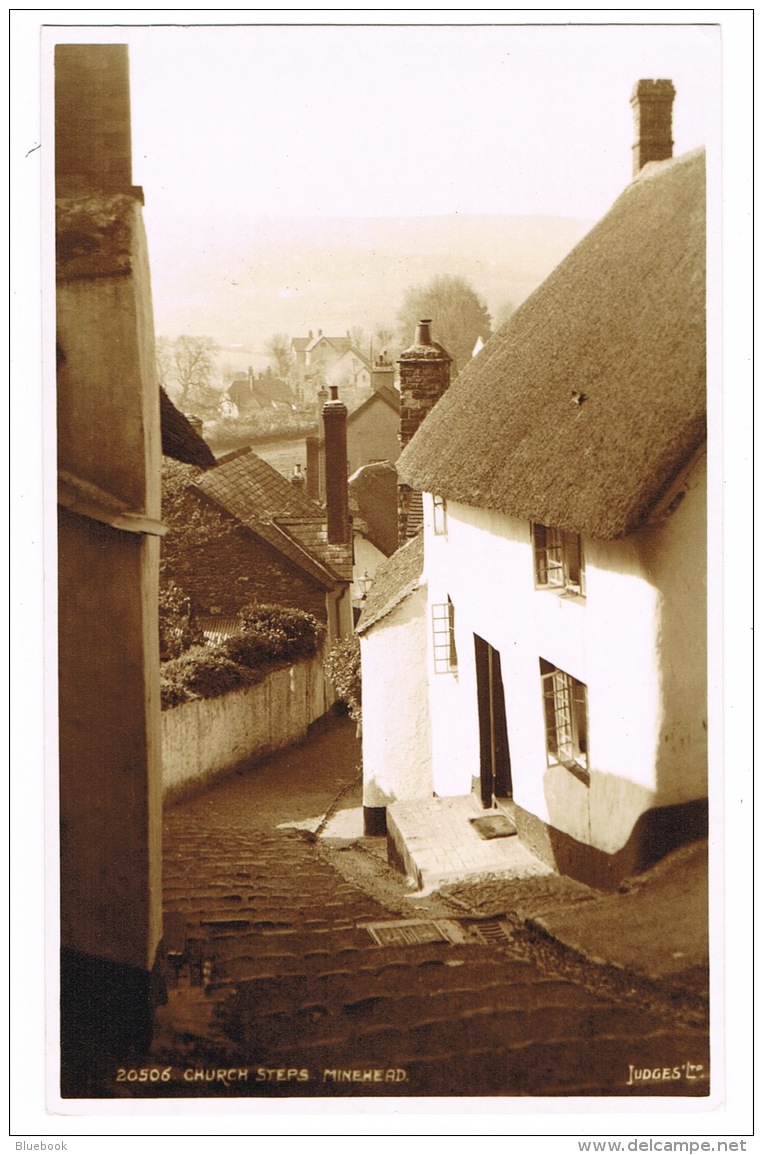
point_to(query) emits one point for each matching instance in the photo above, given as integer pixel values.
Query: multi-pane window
(558, 560)
(565, 701)
(440, 515)
(443, 629)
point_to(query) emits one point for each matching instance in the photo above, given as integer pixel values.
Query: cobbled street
(278, 988)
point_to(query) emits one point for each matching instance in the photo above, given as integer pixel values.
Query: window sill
(577, 771)
(562, 594)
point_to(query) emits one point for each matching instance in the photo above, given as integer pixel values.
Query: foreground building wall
(109, 455)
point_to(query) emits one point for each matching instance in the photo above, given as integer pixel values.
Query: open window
(559, 561)
(565, 702)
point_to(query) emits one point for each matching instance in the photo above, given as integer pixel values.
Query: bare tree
(193, 365)
(358, 338)
(458, 316)
(278, 348)
(164, 361)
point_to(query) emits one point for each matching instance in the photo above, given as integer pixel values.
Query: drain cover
(491, 931)
(494, 826)
(413, 932)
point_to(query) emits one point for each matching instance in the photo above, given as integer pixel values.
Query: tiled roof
(264, 501)
(395, 580)
(584, 406)
(415, 520)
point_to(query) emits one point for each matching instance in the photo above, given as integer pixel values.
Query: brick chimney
(424, 377)
(335, 426)
(652, 103)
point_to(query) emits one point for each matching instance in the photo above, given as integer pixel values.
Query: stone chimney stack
(652, 103)
(424, 377)
(335, 426)
(92, 119)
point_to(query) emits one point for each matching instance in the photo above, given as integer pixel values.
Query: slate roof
(179, 439)
(264, 501)
(395, 580)
(586, 404)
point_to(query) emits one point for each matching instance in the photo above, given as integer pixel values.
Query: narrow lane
(278, 986)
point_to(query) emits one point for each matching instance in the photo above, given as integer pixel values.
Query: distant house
(330, 361)
(249, 393)
(244, 533)
(553, 645)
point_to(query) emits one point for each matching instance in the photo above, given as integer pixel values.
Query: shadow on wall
(657, 832)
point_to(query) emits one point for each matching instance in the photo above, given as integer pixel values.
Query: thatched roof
(395, 580)
(583, 407)
(179, 438)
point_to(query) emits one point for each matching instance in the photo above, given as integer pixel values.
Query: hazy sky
(362, 120)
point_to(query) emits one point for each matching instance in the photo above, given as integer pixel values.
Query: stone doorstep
(436, 844)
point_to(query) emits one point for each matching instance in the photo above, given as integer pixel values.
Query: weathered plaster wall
(397, 757)
(637, 641)
(204, 739)
(109, 437)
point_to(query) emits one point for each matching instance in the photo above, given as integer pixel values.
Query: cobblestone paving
(277, 987)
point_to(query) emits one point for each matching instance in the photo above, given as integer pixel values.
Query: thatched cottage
(562, 590)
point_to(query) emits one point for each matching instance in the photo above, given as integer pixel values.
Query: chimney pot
(423, 334)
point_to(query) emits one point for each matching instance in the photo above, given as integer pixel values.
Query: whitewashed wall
(397, 757)
(637, 641)
(204, 739)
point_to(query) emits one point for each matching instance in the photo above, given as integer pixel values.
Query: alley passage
(279, 989)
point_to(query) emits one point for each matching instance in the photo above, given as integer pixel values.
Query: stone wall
(203, 740)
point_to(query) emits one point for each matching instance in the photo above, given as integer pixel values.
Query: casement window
(440, 516)
(443, 629)
(565, 702)
(558, 560)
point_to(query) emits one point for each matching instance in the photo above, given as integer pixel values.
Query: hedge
(270, 636)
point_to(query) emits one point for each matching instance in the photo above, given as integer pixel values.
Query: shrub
(285, 632)
(343, 668)
(177, 633)
(202, 672)
(271, 635)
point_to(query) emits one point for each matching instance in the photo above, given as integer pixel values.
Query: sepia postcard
(382, 465)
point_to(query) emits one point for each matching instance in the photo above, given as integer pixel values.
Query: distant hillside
(241, 281)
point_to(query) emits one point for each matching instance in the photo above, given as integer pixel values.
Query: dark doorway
(495, 761)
